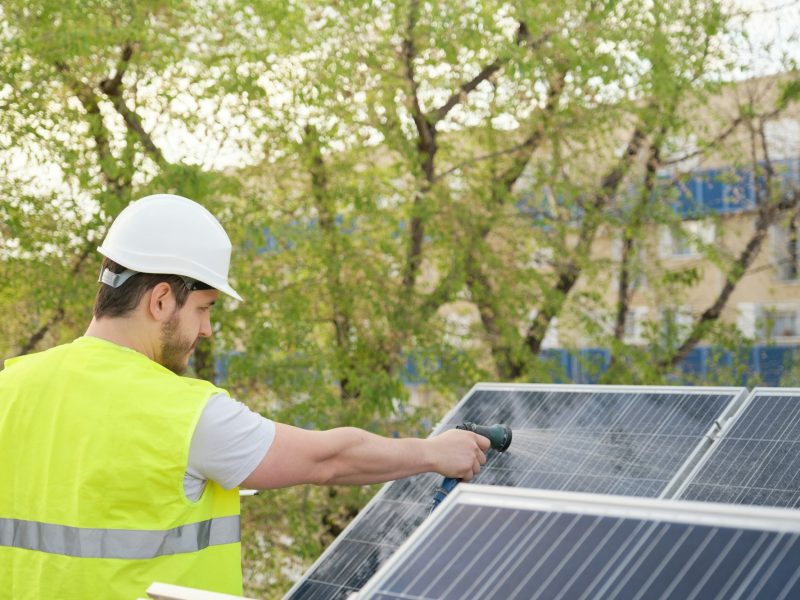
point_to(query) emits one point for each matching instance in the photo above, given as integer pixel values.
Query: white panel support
(166, 591)
(678, 483)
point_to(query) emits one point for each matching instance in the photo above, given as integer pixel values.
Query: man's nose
(205, 328)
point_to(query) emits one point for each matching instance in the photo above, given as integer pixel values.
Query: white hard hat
(170, 235)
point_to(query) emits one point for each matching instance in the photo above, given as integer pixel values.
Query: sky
(775, 23)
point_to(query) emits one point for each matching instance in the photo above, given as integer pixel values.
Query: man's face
(185, 327)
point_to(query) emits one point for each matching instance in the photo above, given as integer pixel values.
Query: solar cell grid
(630, 441)
(595, 440)
(756, 460)
(547, 545)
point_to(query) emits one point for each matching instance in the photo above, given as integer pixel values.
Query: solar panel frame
(737, 393)
(706, 444)
(726, 430)
(707, 514)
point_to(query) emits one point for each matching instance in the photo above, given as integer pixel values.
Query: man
(117, 471)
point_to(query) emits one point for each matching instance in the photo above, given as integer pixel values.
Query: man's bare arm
(348, 455)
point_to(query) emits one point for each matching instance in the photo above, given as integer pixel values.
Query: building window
(769, 322)
(777, 323)
(782, 137)
(686, 241)
(458, 326)
(551, 338)
(786, 250)
(551, 335)
(676, 324)
(747, 319)
(681, 147)
(635, 325)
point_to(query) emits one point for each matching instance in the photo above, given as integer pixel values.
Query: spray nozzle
(499, 435)
(499, 439)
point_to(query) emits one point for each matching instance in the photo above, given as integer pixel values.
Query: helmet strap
(115, 279)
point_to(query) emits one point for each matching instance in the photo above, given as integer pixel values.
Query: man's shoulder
(35, 357)
(105, 358)
(199, 384)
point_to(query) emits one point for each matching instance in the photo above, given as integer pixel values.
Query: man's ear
(161, 301)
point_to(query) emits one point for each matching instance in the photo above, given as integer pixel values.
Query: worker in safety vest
(117, 471)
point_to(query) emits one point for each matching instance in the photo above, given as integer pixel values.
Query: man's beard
(174, 348)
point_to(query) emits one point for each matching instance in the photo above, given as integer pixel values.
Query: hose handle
(500, 438)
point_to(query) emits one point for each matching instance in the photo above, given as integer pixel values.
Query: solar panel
(493, 542)
(615, 440)
(756, 459)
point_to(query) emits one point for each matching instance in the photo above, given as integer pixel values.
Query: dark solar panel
(492, 545)
(756, 460)
(613, 440)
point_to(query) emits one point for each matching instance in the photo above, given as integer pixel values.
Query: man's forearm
(361, 457)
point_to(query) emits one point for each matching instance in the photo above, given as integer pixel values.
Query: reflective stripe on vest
(88, 542)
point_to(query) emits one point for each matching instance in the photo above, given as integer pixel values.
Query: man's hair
(118, 302)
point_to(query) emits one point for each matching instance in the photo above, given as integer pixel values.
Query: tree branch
(523, 38)
(97, 129)
(426, 129)
(113, 90)
(450, 283)
(113, 85)
(426, 146)
(39, 334)
(625, 288)
(341, 315)
(476, 280)
(480, 289)
(60, 312)
(713, 143)
(568, 273)
(638, 213)
(712, 313)
(458, 97)
(521, 158)
(477, 159)
(116, 183)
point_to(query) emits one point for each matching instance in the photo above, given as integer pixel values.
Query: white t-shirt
(229, 442)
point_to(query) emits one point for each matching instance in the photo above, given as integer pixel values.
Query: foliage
(417, 192)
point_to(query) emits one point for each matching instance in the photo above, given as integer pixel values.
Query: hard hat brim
(136, 264)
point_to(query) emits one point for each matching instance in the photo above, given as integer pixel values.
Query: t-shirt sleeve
(229, 442)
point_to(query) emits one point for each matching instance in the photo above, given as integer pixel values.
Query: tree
(91, 95)
(417, 191)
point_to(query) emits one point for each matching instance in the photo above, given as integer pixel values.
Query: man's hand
(459, 454)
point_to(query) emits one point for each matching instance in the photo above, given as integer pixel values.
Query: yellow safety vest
(94, 442)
